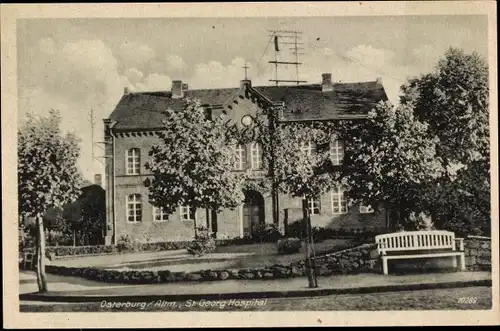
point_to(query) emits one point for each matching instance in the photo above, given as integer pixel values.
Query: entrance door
(253, 212)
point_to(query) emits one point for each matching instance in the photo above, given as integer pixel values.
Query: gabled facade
(132, 129)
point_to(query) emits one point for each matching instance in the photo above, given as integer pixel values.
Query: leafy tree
(389, 160)
(193, 164)
(454, 102)
(48, 175)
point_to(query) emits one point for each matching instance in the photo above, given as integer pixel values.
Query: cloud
(214, 74)
(369, 56)
(175, 63)
(154, 82)
(134, 75)
(135, 55)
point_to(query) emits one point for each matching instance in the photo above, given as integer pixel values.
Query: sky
(75, 65)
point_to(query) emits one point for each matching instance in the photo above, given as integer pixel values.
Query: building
(131, 129)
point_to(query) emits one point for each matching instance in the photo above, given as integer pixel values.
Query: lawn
(439, 299)
(224, 257)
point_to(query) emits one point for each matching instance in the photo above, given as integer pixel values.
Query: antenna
(94, 143)
(287, 35)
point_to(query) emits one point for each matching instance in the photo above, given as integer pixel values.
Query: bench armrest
(381, 248)
(460, 242)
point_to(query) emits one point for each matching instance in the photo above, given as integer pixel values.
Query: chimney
(177, 91)
(98, 179)
(379, 80)
(185, 87)
(327, 82)
(125, 90)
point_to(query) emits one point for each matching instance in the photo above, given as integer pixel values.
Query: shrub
(204, 243)
(126, 244)
(268, 233)
(289, 246)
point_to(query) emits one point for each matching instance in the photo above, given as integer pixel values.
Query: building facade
(131, 130)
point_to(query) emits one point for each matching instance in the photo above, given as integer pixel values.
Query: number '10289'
(467, 300)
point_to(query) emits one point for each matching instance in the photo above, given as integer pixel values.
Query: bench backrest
(415, 240)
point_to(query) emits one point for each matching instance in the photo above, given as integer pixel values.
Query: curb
(57, 297)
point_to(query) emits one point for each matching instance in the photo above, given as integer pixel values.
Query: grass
(259, 255)
(440, 299)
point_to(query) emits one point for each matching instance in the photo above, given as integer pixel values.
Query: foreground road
(457, 298)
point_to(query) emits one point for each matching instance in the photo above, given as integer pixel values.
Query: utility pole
(310, 263)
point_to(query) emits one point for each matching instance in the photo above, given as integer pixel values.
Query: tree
(389, 160)
(47, 175)
(453, 101)
(193, 164)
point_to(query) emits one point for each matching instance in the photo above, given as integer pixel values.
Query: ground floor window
(159, 215)
(313, 206)
(134, 208)
(365, 209)
(187, 213)
(339, 201)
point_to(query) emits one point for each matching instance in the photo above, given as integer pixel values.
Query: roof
(144, 110)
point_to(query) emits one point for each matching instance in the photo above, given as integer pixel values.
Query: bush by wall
(350, 261)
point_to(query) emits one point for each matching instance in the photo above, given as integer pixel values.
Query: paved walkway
(63, 288)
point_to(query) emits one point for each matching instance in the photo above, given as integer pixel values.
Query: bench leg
(454, 265)
(384, 266)
(462, 262)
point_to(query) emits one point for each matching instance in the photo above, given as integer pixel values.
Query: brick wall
(477, 253)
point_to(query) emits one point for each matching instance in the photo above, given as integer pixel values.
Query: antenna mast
(290, 37)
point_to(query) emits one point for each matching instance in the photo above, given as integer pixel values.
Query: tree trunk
(195, 226)
(41, 277)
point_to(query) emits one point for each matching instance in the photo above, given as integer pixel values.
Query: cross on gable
(246, 69)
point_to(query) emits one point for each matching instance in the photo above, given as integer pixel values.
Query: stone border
(359, 259)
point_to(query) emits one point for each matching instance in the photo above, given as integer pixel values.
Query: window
(313, 206)
(241, 156)
(159, 215)
(337, 152)
(134, 208)
(365, 209)
(256, 152)
(187, 213)
(307, 147)
(339, 202)
(133, 161)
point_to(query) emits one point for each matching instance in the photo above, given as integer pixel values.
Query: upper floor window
(313, 206)
(307, 147)
(187, 213)
(337, 152)
(339, 201)
(365, 209)
(256, 153)
(133, 161)
(134, 208)
(159, 215)
(241, 156)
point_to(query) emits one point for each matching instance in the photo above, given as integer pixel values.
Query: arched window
(134, 208)
(256, 153)
(133, 161)
(241, 158)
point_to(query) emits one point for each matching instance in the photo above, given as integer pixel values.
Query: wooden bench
(419, 245)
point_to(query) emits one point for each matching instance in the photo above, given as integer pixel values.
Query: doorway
(253, 212)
